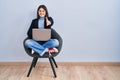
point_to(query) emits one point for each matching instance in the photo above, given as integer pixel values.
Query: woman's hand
(47, 22)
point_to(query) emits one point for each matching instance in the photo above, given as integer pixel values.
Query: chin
(42, 16)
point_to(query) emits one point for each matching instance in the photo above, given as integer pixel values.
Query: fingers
(47, 21)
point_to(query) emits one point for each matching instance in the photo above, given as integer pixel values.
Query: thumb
(46, 19)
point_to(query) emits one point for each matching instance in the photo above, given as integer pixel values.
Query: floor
(64, 72)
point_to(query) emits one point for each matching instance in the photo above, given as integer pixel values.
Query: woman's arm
(29, 32)
(49, 22)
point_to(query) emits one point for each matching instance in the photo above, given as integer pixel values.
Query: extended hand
(47, 22)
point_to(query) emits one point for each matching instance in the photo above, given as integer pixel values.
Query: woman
(42, 21)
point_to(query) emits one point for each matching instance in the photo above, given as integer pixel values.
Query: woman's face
(41, 12)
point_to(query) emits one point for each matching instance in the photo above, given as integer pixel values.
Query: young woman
(42, 21)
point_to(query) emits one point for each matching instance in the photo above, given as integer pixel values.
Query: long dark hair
(45, 8)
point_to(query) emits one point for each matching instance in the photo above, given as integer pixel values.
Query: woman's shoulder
(35, 19)
(50, 17)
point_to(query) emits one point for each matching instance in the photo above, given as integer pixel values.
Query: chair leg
(50, 59)
(32, 65)
(54, 62)
(36, 59)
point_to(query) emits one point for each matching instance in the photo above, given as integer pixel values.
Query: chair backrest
(54, 35)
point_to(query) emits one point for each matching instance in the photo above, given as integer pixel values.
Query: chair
(35, 56)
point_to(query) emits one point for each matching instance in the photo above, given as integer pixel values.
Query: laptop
(41, 34)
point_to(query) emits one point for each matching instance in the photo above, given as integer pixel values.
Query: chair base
(52, 63)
